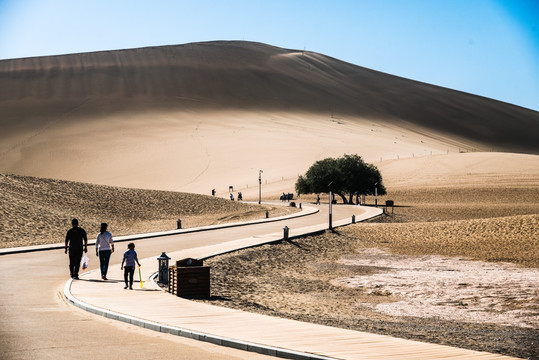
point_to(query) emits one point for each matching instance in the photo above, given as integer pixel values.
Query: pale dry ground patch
(38, 211)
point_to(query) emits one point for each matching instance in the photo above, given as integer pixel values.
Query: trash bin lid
(189, 262)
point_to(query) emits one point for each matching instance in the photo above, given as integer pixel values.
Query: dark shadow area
(296, 244)
(143, 289)
(334, 231)
(218, 298)
(101, 281)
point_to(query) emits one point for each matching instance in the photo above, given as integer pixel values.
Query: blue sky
(485, 47)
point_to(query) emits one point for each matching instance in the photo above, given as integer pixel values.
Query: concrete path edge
(306, 211)
(218, 340)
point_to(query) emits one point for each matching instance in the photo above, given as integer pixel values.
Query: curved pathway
(37, 323)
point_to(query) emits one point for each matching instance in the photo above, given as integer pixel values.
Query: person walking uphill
(130, 256)
(76, 242)
(104, 247)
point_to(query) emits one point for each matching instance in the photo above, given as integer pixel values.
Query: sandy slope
(465, 169)
(38, 211)
(185, 151)
(201, 116)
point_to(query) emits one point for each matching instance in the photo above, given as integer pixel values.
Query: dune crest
(160, 117)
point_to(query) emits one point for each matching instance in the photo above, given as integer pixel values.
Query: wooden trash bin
(190, 279)
(388, 204)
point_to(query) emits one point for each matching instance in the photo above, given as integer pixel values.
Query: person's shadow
(112, 281)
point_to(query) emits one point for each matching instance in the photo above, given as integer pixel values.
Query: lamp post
(259, 186)
(330, 210)
(163, 268)
(376, 195)
(330, 206)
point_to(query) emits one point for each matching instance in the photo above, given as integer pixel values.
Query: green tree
(347, 175)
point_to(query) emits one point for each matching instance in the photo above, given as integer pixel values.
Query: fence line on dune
(432, 153)
(382, 159)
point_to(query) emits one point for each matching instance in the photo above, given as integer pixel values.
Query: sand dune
(160, 117)
(494, 170)
(38, 211)
(196, 117)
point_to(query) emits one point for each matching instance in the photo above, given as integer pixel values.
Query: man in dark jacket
(75, 240)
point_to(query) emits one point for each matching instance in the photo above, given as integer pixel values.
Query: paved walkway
(151, 308)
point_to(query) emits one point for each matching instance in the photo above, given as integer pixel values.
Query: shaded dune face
(249, 76)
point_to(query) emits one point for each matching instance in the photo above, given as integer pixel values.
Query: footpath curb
(214, 339)
(306, 211)
(195, 335)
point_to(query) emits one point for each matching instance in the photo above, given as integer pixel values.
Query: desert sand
(83, 133)
(38, 211)
(160, 118)
(451, 265)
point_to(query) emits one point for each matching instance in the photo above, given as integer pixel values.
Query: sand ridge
(106, 117)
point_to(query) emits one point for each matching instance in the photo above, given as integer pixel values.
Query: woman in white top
(104, 247)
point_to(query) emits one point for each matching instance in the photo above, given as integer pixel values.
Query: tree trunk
(344, 201)
(351, 201)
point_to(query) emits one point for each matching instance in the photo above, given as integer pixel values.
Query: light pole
(376, 195)
(260, 186)
(330, 207)
(330, 210)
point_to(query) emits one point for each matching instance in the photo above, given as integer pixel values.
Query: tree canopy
(347, 175)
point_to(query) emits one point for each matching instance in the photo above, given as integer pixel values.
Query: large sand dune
(209, 115)
(463, 171)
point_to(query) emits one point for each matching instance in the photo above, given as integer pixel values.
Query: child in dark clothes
(130, 257)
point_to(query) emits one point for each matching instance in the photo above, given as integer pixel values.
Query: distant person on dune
(231, 196)
(104, 247)
(75, 241)
(240, 196)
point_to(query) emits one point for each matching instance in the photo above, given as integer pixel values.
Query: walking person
(76, 242)
(317, 199)
(130, 257)
(104, 247)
